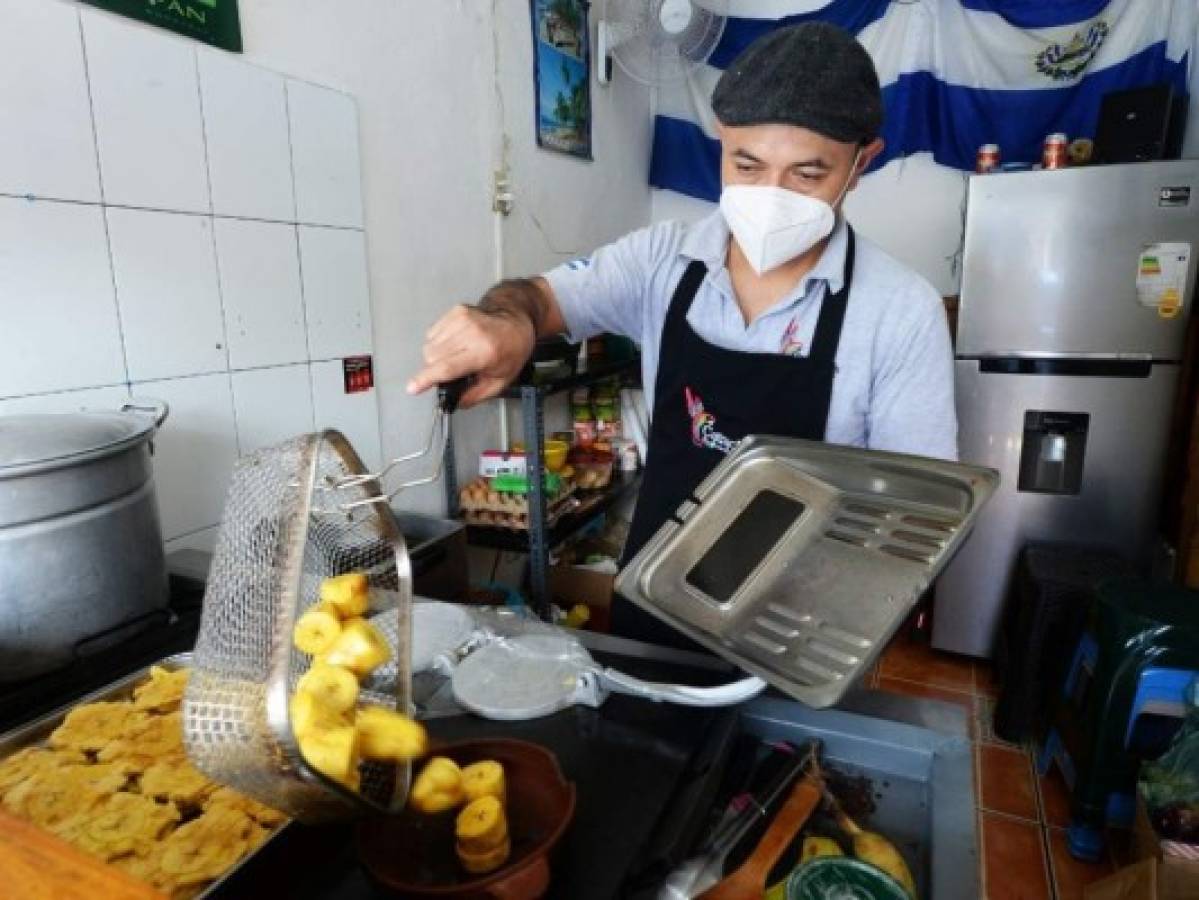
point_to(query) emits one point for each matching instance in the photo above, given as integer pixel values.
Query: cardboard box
(1177, 878)
(571, 584)
(1135, 882)
(1155, 876)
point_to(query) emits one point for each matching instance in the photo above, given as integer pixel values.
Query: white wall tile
(58, 317)
(106, 399)
(355, 415)
(245, 125)
(324, 151)
(204, 539)
(194, 452)
(337, 300)
(146, 99)
(272, 405)
(260, 287)
(47, 148)
(165, 270)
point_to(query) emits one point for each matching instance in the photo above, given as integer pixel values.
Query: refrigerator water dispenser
(1052, 454)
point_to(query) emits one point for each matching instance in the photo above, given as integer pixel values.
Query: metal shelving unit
(541, 537)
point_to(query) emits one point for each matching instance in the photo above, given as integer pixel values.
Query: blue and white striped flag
(956, 74)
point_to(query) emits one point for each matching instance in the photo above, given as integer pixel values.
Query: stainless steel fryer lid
(798, 560)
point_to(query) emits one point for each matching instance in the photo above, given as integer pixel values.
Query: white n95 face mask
(773, 225)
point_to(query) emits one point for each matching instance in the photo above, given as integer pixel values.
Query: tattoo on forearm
(516, 299)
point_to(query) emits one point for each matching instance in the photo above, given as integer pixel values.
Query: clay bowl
(412, 854)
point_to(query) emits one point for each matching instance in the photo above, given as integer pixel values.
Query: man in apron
(768, 316)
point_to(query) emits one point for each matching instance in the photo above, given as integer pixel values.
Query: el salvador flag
(956, 74)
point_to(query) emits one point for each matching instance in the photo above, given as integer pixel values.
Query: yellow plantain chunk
(332, 751)
(385, 734)
(481, 826)
(335, 687)
(360, 648)
(484, 779)
(349, 593)
(488, 861)
(315, 631)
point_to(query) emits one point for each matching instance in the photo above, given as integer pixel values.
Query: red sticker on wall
(358, 373)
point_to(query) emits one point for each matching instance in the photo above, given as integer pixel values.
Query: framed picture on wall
(562, 75)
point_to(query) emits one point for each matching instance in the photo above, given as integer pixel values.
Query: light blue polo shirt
(894, 384)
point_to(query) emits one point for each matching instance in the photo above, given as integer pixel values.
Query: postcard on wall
(562, 75)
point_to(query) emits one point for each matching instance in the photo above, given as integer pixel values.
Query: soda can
(987, 159)
(1053, 152)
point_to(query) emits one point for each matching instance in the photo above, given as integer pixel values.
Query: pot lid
(798, 560)
(46, 438)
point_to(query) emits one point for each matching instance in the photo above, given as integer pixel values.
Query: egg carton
(481, 505)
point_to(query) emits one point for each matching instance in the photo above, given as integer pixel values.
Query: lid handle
(158, 409)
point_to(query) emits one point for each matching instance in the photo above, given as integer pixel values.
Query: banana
(335, 687)
(878, 851)
(484, 779)
(389, 735)
(438, 787)
(777, 891)
(442, 772)
(349, 593)
(814, 847)
(488, 861)
(481, 826)
(331, 751)
(353, 781)
(316, 630)
(360, 648)
(309, 715)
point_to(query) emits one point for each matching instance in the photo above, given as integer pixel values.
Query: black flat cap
(814, 75)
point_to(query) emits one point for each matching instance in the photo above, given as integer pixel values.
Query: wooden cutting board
(38, 866)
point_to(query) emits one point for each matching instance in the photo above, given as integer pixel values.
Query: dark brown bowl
(412, 854)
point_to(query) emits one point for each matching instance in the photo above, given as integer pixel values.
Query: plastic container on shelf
(592, 468)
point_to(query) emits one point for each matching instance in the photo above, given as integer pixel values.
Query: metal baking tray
(798, 560)
(37, 731)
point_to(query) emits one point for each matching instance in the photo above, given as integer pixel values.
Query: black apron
(705, 399)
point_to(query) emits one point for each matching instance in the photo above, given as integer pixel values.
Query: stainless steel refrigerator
(1076, 288)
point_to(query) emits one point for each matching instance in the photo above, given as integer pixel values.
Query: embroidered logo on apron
(703, 425)
(791, 345)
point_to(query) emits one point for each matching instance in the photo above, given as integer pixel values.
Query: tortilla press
(798, 560)
(501, 665)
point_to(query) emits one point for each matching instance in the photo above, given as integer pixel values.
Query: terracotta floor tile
(919, 662)
(1014, 859)
(916, 689)
(985, 714)
(1006, 781)
(1055, 799)
(1070, 876)
(978, 795)
(984, 680)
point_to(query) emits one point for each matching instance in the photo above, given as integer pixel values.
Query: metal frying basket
(282, 533)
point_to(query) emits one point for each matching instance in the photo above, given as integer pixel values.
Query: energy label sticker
(1162, 277)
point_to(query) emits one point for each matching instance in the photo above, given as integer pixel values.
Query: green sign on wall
(212, 21)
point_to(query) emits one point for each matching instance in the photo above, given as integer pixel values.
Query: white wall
(422, 74)
(566, 207)
(445, 92)
(177, 224)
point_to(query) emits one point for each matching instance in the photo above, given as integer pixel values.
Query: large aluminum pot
(81, 551)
